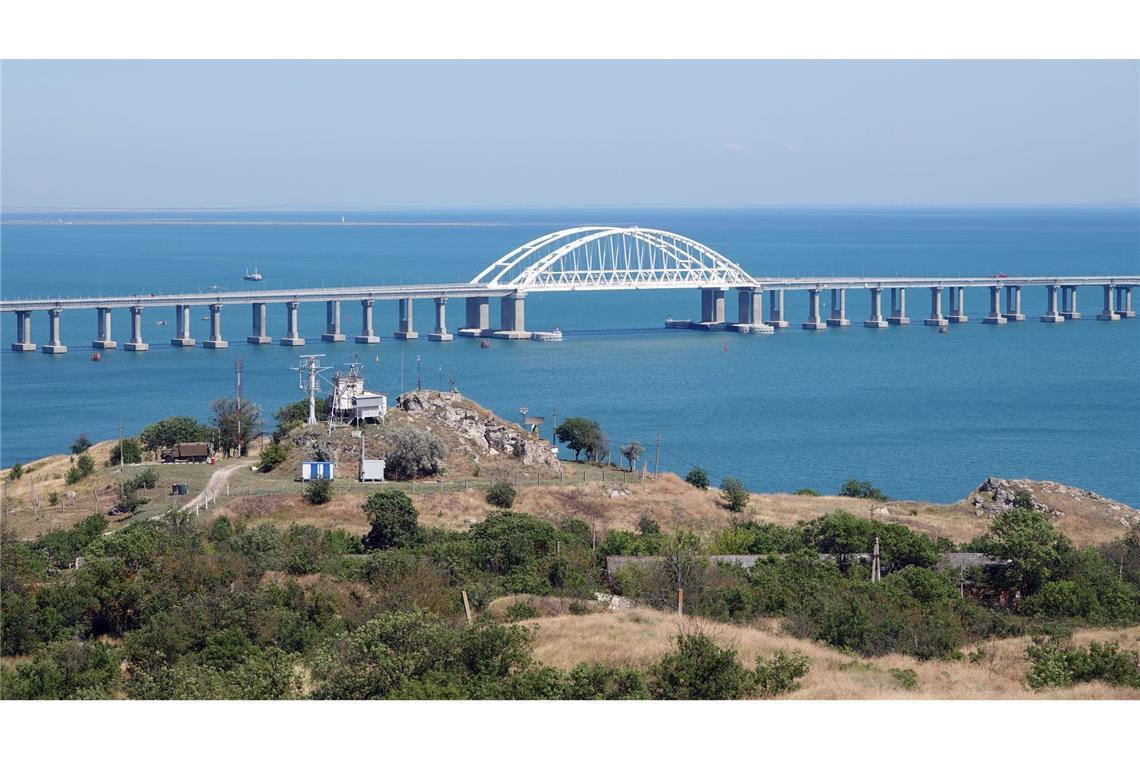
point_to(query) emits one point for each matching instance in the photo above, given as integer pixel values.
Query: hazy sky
(382, 134)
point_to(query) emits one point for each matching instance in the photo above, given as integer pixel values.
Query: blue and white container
(318, 470)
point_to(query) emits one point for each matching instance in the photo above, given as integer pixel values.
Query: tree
(271, 456)
(227, 414)
(632, 451)
(735, 494)
(698, 478)
(16, 472)
(581, 434)
(296, 413)
(501, 495)
(128, 450)
(413, 453)
(167, 432)
(861, 489)
(84, 466)
(393, 518)
(699, 669)
(80, 444)
(319, 491)
(1033, 545)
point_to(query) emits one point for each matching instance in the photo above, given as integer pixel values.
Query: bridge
(585, 259)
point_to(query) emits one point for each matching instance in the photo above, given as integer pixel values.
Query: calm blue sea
(919, 414)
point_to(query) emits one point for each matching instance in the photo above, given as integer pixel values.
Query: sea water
(920, 414)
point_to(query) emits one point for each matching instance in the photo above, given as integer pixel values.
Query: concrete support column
(1069, 302)
(958, 305)
(712, 306)
(838, 308)
(1108, 314)
(935, 319)
(182, 327)
(1052, 314)
(366, 333)
(776, 309)
(994, 317)
(23, 332)
(257, 326)
(136, 342)
(103, 328)
(876, 317)
(478, 313)
(332, 332)
(749, 306)
(512, 313)
(440, 333)
(407, 329)
(898, 308)
(1013, 303)
(215, 340)
(292, 336)
(813, 320)
(54, 345)
(1124, 302)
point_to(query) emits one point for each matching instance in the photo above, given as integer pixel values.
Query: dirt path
(214, 486)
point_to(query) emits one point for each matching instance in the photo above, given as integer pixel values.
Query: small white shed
(371, 470)
(318, 470)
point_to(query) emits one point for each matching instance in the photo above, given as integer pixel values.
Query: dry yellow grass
(637, 637)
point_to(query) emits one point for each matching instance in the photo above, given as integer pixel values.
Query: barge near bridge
(583, 259)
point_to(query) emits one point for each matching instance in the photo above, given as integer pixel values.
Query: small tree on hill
(632, 451)
(735, 494)
(393, 518)
(128, 451)
(698, 478)
(171, 430)
(319, 491)
(16, 472)
(861, 489)
(227, 414)
(581, 434)
(84, 466)
(80, 444)
(501, 495)
(413, 453)
(271, 456)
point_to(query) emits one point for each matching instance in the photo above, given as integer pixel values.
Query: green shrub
(781, 673)
(128, 450)
(501, 495)
(905, 677)
(698, 478)
(605, 682)
(647, 526)
(1058, 663)
(80, 444)
(148, 478)
(16, 472)
(271, 456)
(521, 611)
(861, 489)
(319, 491)
(698, 669)
(807, 492)
(53, 498)
(393, 518)
(84, 466)
(413, 453)
(735, 494)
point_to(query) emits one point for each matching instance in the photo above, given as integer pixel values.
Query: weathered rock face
(1002, 494)
(482, 430)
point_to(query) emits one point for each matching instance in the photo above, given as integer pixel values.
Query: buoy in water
(96, 356)
(484, 343)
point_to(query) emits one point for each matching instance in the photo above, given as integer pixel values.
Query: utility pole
(419, 383)
(237, 369)
(876, 574)
(120, 446)
(657, 457)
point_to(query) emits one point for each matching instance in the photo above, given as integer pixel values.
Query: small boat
(161, 323)
(942, 330)
(213, 287)
(96, 356)
(205, 317)
(254, 276)
(484, 343)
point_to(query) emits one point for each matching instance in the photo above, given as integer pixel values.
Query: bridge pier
(182, 326)
(257, 321)
(813, 320)
(876, 318)
(332, 332)
(1051, 312)
(776, 309)
(1069, 302)
(366, 333)
(215, 340)
(23, 332)
(749, 307)
(935, 319)
(958, 306)
(478, 312)
(292, 336)
(1013, 304)
(440, 334)
(838, 308)
(512, 314)
(1108, 314)
(1124, 302)
(407, 329)
(103, 328)
(712, 310)
(136, 342)
(994, 317)
(54, 345)
(898, 308)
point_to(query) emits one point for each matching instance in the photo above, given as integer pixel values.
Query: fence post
(681, 601)
(467, 607)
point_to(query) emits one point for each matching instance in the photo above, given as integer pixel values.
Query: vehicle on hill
(198, 451)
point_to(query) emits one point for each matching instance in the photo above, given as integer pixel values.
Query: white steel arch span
(612, 258)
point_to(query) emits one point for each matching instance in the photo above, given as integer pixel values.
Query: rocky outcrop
(995, 495)
(478, 428)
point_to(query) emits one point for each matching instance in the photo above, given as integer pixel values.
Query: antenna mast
(308, 376)
(237, 412)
